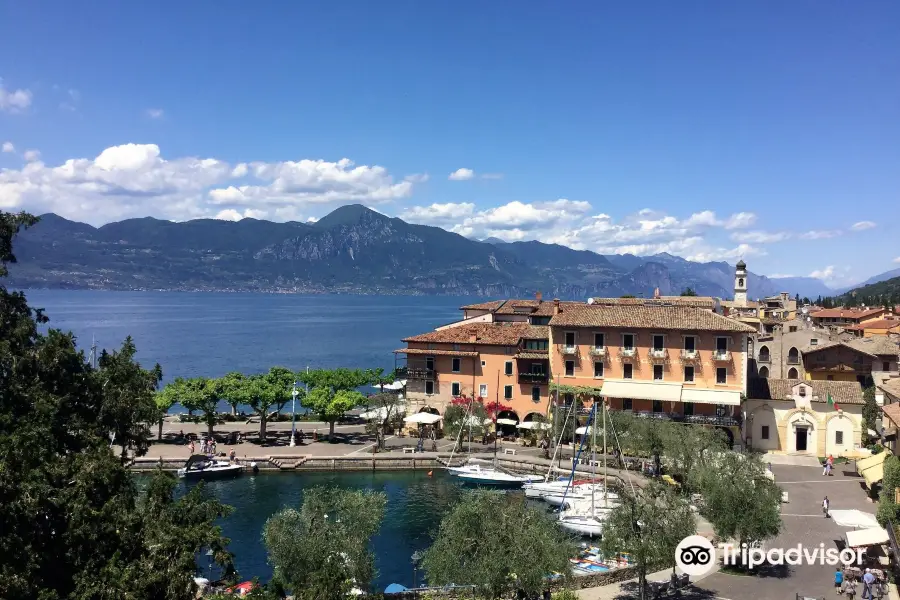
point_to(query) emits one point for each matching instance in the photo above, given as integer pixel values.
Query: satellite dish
(590, 300)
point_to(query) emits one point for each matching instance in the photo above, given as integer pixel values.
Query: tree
(128, 398)
(379, 379)
(388, 410)
(499, 544)
(229, 383)
(200, 394)
(465, 415)
(688, 291)
(334, 392)
(257, 392)
(689, 449)
(649, 525)
(72, 525)
(321, 551)
(740, 501)
(165, 399)
(870, 413)
(888, 509)
(282, 381)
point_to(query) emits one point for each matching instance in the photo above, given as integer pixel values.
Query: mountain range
(351, 250)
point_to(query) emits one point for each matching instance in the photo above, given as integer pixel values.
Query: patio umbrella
(855, 519)
(506, 422)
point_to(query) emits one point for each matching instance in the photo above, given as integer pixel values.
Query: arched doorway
(764, 355)
(506, 422)
(764, 372)
(793, 374)
(801, 434)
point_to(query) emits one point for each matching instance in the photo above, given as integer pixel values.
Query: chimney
(656, 293)
(473, 338)
(539, 296)
(556, 306)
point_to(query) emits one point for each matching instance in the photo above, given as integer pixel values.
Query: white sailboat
(483, 473)
(577, 492)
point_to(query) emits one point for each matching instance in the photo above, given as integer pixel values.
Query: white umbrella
(382, 412)
(586, 430)
(856, 519)
(424, 418)
(506, 422)
(534, 425)
(397, 385)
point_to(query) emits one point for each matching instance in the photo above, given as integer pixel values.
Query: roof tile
(496, 334)
(843, 392)
(648, 317)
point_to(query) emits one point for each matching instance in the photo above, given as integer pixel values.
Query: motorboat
(477, 473)
(200, 466)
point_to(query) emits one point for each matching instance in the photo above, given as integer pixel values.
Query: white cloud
(417, 178)
(897, 260)
(8, 147)
(492, 176)
(826, 273)
(32, 155)
(461, 175)
(740, 220)
(780, 275)
(438, 214)
(719, 254)
(863, 225)
(156, 113)
(14, 101)
(707, 218)
(760, 237)
(820, 234)
(135, 180)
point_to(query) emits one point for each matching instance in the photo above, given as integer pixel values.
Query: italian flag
(831, 402)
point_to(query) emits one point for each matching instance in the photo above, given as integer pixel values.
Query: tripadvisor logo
(695, 555)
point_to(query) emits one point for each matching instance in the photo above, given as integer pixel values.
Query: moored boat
(200, 466)
(474, 472)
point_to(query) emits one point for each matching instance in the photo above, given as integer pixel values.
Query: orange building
(844, 318)
(881, 327)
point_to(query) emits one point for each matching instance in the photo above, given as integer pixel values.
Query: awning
(641, 390)
(856, 519)
(534, 425)
(424, 418)
(506, 422)
(381, 412)
(397, 385)
(874, 536)
(585, 430)
(872, 468)
(726, 397)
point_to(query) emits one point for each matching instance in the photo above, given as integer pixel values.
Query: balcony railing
(690, 355)
(720, 421)
(628, 352)
(764, 358)
(658, 354)
(793, 360)
(527, 377)
(722, 356)
(598, 350)
(413, 373)
(569, 349)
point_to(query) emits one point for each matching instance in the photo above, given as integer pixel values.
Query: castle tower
(740, 284)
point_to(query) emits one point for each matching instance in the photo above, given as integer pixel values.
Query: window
(626, 403)
(657, 406)
(793, 356)
(885, 366)
(721, 344)
(764, 355)
(537, 344)
(510, 349)
(429, 388)
(507, 392)
(507, 368)
(454, 388)
(431, 346)
(839, 438)
(792, 374)
(568, 399)
(764, 372)
(454, 365)
(483, 390)
(627, 370)
(537, 367)
(813, 342)
(570, 339)
(540, 320)
(429, 363)
(483, 363)
(689, 374)
(657, 372)
(599, 341)
(628, 340)
(802, 391)
(536, 393)
(792, 329)
(741, 282)
(598, 369)
(659, 342)
(690, 343)
(570, 368)
(456, 346)
(721, 375)
(764, 433)
(688, 408)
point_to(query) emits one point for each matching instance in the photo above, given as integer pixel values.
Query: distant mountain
(351, 250)
(493, 240)
(806, 287)
(875, 279)
(881, 292)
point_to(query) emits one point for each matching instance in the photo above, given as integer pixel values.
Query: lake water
(210, 334)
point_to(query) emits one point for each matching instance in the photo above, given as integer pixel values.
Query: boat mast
(594, 458)
(605, 477)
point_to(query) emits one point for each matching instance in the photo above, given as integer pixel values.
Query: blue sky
(766, 130)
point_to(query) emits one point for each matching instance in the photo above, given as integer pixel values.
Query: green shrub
(565, 595)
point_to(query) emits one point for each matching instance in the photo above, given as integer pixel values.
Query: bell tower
(740, 284)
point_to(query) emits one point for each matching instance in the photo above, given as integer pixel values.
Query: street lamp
(294, 394)
(416, 557)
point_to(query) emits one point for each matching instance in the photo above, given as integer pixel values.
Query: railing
(413, 373)
(598, 350)
(764, 358)
(722, 356)
(569, 349)
(658, 354)
(690, 354)
(628, 352)
(527, 377)
(720, 421)
(793, 360)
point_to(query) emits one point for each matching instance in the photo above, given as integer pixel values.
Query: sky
(766, 130)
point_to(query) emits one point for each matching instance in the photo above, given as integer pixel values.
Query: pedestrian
(231, 455)
(825, 506)
(850, 589)
(212, 444)
(192, 447)
(868, 583)
(838, 581)
(825, 466)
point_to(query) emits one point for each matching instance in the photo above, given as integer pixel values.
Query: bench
(509, 451)
(409, 450)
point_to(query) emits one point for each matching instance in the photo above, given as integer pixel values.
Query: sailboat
(582, 516)
(541, 489)
(483, 473)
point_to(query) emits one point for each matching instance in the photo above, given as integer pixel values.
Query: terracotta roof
(536, 332)
(843, 392)
(881, 324)
(492, 305)
(846, 313)
(878, 346)
(648, 317)
(497, 334)
(434, 352)
(892, 412)
(891, 386)
(697, 301)
(733, 304)
(533, 354)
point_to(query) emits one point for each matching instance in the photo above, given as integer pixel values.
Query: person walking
(838, 581)
(868, 582)
(193, 448)
(825, 506)
(231, 455)
(850, 589)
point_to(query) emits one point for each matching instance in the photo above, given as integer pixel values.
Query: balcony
(413, 373)
(538, 378)
(628, 352)
(569, 350)
(658, 355)
(722, 356)
(793, 360)
(764, 358)
(598, 351)
(719, 421)
(690, 355)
